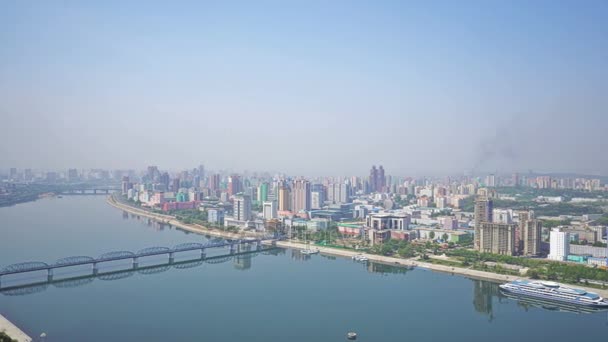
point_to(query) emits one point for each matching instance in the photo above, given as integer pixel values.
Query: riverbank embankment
(336, 251)
(13, 331)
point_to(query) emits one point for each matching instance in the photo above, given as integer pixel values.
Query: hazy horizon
(306, 88)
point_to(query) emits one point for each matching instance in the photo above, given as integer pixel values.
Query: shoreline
(13, 331)
(469, 273)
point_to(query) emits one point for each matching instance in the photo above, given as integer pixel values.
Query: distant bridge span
(33, 266)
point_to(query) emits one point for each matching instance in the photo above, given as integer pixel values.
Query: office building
(398, 221)
(559, 244)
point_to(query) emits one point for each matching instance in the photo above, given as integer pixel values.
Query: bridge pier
(135, 262)
(171, 259)
(95, 269)
(49, 276)
(94, 191)
(203, 255)
(258, 245)
(0, 282)
(232, 248)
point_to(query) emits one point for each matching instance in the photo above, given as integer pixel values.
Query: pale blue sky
(306, 87)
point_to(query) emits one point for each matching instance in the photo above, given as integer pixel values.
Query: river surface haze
(277, 295)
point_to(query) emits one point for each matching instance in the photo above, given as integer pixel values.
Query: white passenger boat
(549, 290)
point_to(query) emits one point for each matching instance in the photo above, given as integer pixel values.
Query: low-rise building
(316, 224)
(582, 259)
(602, 262)
(167, 206)
(399, 221)
(454, 236)
(377, 236)
(351, 229)
(402, 235)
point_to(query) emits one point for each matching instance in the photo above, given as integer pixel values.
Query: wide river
(266, 296)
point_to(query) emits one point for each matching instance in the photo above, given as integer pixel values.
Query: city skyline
(423, 87)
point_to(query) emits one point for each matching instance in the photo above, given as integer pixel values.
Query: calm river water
(270, 296)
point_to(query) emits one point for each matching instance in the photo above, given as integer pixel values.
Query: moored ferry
(553, 291)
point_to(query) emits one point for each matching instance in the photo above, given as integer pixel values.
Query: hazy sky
(306, 87)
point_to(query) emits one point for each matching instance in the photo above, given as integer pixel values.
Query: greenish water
(278, 296)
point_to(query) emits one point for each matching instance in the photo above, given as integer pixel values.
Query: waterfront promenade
(11, 330)
(337, 251)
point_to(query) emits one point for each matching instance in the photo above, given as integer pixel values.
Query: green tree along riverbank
(467, 258)
(5, 338)
(537, 268)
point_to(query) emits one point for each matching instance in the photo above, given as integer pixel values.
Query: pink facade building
(179, 205)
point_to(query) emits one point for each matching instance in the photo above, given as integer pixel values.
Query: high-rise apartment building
(152, 172)
(531, 236)
(242, 208)
(301, 195)
(263, 191)
(377, 179)
(234, 185)
(269, 210)
(175, 184)
(28, 175)
(381, 181)
(497, 238)
(483, 213)
(72, 175)
(317, 199)
(284, 198)
(559, 244)
(338, 193)
(125, 185)
(214, 182)
(165, 180)
(491, 180)
(12, 174)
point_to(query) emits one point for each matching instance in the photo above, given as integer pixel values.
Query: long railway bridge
(72, 261)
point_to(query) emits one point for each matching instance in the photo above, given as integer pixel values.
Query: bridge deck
(121, 255)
